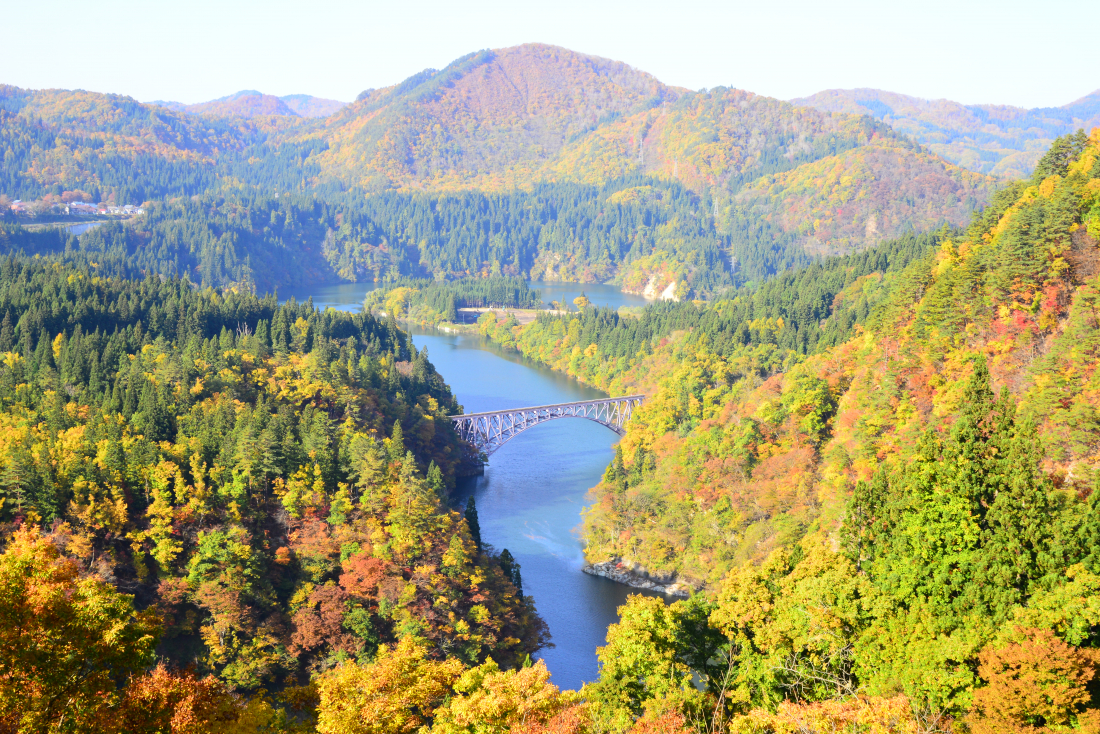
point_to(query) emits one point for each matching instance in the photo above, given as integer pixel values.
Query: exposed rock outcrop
(631, 574)
(658, 289)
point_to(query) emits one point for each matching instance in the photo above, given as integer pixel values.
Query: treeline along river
(530, 498)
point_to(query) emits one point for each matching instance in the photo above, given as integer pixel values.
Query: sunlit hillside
(760, 184)
(490, 119)
(505, 119)
(997, 139)
(863, 196)
(248, 103)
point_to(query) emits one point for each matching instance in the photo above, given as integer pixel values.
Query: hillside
(861, 197)
(105, 146)
(306, 106)
(999, 140)
(116, 121)
(250, 103)
(508, 119)
(773, 404)
(246, 103)
(881, 469)
(504, 118)
(493, 115)
(255, 245)
(531, 160)
(248, 470)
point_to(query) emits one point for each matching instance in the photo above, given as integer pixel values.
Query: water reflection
(341, 296)
(349, 296)
(598, 294)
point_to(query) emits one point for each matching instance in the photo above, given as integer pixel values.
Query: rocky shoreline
(633, 575)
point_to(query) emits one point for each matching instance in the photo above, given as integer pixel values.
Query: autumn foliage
(1035, 683)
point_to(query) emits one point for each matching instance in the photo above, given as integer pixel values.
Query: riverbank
(523, 316)
(631, 574)
(531, 494)
(467, 318)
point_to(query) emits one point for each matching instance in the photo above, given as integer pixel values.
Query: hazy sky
(1023, 53)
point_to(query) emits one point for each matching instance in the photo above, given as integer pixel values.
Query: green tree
(649, 657)
(510, 566)
(472, 521)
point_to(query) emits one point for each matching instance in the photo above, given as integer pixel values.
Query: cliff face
(632, 574)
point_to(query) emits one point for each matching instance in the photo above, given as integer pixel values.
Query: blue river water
(349, 296)
(532, 494)
(600, 295)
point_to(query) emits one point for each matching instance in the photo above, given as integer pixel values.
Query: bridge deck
(489, 430)
(545, 407)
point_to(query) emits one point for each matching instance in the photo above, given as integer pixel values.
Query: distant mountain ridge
(1000, 140)
(307, 106)
(505, 119)
(252, 103)
(477, 166)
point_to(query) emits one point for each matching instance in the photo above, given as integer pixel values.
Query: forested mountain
(499, 120)
(996, 139)
(267, 481)
(866, 350)
(246, 103)
(305, 105)
(244, 243)
(107, 146)
(250, 103)
(533, 160)
(882, 469)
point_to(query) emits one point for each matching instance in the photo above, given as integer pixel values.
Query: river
(530, 498)
(349, 296)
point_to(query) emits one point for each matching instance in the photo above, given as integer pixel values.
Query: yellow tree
(397, 693)
(66, 639)
(491, 701)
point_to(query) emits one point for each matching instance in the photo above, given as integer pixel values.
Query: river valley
(533, 491)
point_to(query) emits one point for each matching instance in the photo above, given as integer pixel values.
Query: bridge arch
(487, 432)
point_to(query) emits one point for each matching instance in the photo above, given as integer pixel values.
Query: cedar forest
(869, 445)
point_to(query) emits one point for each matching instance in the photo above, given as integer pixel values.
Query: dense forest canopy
(876, 454)
(869, 445)
(879, 470)
(632, 182)
(268, 481)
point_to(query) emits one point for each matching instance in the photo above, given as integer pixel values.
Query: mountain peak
(246, 103)
(252, 103)
(306, 105)
(238, 95)
(529, 80)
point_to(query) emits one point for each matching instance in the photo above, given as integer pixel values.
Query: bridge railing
(636, 398)
(488, 431)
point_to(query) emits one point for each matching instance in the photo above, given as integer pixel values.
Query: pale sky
(1030, 54)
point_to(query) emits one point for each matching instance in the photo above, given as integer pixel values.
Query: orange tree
(67, 640)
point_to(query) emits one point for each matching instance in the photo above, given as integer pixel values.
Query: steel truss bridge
(487, 432)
